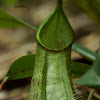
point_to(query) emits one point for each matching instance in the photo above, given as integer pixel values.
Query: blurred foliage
(92, 8)
(90, 55)
(18, 2)
(9, 20)
(11, 1)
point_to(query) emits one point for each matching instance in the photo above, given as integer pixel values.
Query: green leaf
(21, 68)
(84, 51)
(55, 33)
(92, 77)
(8, 20)
(78, 69)
(25, 64)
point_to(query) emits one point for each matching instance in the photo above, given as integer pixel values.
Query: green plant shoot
(51, 80)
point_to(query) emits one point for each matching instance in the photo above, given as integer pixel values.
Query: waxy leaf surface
(78, 69)
(50, 77)
(38, 76)
(55, 33)
(92, 77)
(21, 68)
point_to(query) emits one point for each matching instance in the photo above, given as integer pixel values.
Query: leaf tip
(1, 85)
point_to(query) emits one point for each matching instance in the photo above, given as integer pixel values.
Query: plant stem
(90, 55)
(59, 2)
(50, 78)
(24, 22)
(91, 94)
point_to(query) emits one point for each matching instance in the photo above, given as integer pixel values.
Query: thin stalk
(59, 2)
(24, 22)
(90, 55)
(91, 94)
(2, 83)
